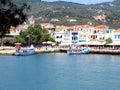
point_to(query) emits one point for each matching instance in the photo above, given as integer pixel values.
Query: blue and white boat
(24, 51)
(82, 50)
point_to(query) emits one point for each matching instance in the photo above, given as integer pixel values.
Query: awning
(48, 42)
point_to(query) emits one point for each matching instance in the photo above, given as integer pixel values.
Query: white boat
(82, 50)
(22, 51)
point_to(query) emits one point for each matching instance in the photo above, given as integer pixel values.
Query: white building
(116, 39)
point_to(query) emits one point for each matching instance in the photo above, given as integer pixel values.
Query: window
(74, 33)
(118, 36)
(74, 38)
(57, 36)
(96, 36)
(115, 36)
(61, 36)
(107, 31)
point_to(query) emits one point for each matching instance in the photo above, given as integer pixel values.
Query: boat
(81, 50)
(24, 51)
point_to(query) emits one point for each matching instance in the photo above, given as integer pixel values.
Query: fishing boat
(23, 51)
(81, 50)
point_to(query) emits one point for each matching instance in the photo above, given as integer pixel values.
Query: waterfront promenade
(7, 50)
(11, 50)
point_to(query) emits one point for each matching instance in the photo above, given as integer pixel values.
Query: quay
(7, 50)
(11, 50)
(105, 51)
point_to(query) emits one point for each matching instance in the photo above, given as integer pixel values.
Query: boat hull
(79, 51)
(24, 53)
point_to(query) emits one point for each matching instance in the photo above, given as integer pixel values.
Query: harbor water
(60, 71)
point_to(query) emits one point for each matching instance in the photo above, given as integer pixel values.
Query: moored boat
(22, 51)
(82, 50)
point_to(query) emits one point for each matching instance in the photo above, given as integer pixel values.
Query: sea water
(60, 71)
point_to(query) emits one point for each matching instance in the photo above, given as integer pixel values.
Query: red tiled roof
(101, 27)
(61, 27)
(118, 30)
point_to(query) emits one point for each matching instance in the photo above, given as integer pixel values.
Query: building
(50, 27)
(116, 39)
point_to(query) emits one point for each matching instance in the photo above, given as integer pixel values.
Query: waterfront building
(15, 31)
(79, 34)
(74, 36)
(50, 27)
(116, 40)
(62, 35)
(97, 37)
(66, 40)
(108, 33)
(84, 34)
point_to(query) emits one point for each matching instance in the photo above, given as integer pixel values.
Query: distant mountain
(69, 13)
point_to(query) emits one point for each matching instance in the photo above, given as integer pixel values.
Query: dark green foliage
(8, 41)
(11, 15)
(51, 39)
(36, 33)
(19, 39)
(108, 41)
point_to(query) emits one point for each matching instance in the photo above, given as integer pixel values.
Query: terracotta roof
(75, 31)
(118, 30)
(19, 27)
(61, 27)
(13, 28)
(74, 27)
(101, 27)
(71, 27)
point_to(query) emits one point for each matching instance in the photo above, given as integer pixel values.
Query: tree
(51, 39)
(19, 39)
(8, 41)
(108, 40)
(11, 15)
(37, 35)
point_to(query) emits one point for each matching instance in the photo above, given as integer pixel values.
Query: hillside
(69, 13)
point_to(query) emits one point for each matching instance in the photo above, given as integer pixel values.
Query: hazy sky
(83, 1)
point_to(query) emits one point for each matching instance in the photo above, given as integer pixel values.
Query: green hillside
(104, 13)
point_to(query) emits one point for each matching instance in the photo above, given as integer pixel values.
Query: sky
(84, 1)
